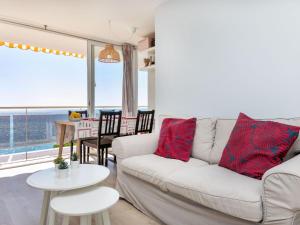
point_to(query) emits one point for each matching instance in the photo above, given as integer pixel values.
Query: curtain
(129, 93)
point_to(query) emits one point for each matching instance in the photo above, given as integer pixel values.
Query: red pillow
(256, 146)
(176, 138)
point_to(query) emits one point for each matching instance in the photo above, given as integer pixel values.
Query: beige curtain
(129, 98)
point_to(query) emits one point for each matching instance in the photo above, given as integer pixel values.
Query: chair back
(144, 121)
(83, 113)
(109, 123)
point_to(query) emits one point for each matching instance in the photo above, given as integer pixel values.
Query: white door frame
(90, 79)
(91, 84)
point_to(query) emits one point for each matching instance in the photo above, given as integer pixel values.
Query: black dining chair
(144, 122)
(109, 128)
(83, 114)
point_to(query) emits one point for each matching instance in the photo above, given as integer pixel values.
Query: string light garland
(39, 49)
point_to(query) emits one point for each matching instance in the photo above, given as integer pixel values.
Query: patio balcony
(29, 133)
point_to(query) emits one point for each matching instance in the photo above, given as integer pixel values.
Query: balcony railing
(28, 129)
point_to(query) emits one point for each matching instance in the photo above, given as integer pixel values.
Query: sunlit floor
(21, 204)
(26, 158)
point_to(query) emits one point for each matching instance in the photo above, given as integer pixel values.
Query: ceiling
(89, 18)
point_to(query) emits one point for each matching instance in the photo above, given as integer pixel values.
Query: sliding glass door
(104, 80)
(37, 90)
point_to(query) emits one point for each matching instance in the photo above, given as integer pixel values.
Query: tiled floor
(21, 204)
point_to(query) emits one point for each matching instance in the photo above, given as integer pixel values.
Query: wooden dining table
(61, 130)
(76, 130)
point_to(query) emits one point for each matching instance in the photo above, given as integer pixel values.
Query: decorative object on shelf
(147, 42)
(75, 116)
(147, 52)
(74, 160)
(57, 162)
(152, 62)
(109, 55)
(147, 62)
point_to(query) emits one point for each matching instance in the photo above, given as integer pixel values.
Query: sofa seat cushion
(219, 189)
(155, 169)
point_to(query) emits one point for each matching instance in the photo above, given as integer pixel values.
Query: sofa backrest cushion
(223, 131)
(204, 136)
(296, 146)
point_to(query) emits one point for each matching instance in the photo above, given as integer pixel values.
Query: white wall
(151, 89)
(222, 57)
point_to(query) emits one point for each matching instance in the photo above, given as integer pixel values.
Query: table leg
(45, 208)
(65, 220)
(51, 217)
(85, 220)
(99, 219)
(105, 216)
(62, 139)
(89, 219)
(78, 149)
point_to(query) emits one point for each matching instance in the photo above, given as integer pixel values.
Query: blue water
(26, 149)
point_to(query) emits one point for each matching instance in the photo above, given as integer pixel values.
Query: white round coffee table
(47, 180)
(85, 203)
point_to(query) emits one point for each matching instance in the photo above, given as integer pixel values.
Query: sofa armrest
(281, 193)
(124, 147)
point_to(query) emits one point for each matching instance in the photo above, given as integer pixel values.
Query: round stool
(84, 203)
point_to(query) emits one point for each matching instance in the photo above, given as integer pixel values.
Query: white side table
(47, 180)
(84, 203)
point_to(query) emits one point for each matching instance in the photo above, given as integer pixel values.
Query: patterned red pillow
(176, 138)
(256, 146)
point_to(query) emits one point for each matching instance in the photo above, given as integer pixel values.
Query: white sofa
(199, 192)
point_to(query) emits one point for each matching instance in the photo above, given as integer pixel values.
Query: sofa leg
(115, 159)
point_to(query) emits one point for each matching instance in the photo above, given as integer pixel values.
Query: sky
(37, 79)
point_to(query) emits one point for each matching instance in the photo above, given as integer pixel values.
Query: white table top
(86, 201)
(84, 176)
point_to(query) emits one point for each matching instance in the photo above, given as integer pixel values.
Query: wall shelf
(147, 68)
(150, 51)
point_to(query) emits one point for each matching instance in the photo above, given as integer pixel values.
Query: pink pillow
(256, 146)
(176, 138)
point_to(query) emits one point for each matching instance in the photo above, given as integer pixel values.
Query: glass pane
(19, 129)
(4, 131)
(28, 134)
(108, 79)
(41, 125)
(40, 80)
(50, 76)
